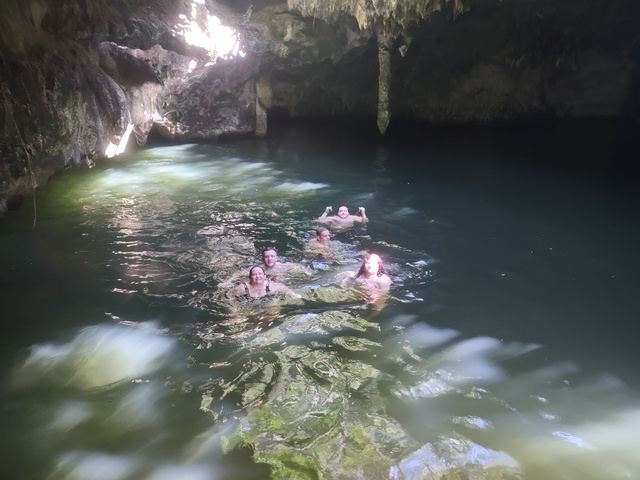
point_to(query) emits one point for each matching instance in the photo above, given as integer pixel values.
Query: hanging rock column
(384, 80)
(263, 103)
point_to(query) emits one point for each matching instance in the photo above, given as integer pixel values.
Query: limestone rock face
(522, 60)
(79, 79)
(217, 100)
(76, 77)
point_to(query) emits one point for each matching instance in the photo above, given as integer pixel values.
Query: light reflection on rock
(456, 457)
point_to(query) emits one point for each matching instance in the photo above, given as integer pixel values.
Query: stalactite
(369, 13)
(390, 18)
(384, 80)
(263, 103)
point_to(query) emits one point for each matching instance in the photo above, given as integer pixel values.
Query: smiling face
(343, 211)
(256, 275)
(372, 265)
(270, 258)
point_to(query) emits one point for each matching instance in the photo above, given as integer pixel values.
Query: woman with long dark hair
(372, 274)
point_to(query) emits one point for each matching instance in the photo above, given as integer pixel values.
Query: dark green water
(507, 347)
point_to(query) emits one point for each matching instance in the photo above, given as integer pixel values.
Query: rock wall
(76, 77)
(58, 107)
(524, 60)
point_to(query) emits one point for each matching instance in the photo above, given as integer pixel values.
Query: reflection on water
(171, 380)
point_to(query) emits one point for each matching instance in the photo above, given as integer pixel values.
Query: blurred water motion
(122, 383)
(487, 360)
(98, 356)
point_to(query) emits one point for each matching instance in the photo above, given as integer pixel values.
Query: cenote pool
(506, 348)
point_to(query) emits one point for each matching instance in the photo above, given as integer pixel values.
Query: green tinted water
(506, 348)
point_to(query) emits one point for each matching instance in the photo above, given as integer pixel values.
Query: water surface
(506, 348)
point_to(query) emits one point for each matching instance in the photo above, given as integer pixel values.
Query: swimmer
(371, 275)
(259, 285)
(273, 269)
(343, 219)
(322, 241)
(321, 247)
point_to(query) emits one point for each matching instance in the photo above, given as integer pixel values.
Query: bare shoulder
(315, 244)
(235, 291)
(292, 266)
(277, 286)
(282, 288)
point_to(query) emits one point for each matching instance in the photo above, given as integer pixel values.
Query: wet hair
(381, 270)
(268, 249)
(319, 230)
(254, 267)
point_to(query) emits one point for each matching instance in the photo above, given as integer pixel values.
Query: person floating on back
(343, 219)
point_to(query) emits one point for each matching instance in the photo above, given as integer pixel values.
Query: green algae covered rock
(314, 409)
(315, 423)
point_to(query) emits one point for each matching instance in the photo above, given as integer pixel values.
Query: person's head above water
(343, 218)
(260, 285)
(371, 266)
(323, 234)
(269, 256)
(343, 211)
(256, 274)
